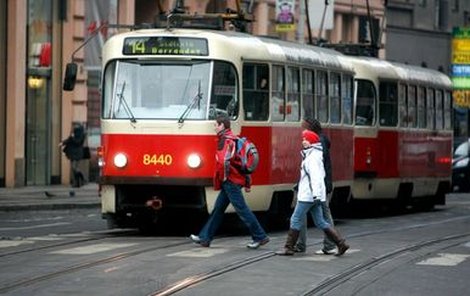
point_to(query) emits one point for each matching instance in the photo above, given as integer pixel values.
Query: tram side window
(430, 122)
(224, 97)
(447, 110)
(439, 110)
(109, 76)
(388, 104)
(278, 93)
(322, 96)
(256, 92)
(421, 107)
(293, 94)
(411, 104)
(347, 98)
(402, 94)
(335, 98)
(366, 98)
(308, 93)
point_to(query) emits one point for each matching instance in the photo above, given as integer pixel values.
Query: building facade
(37, 39)
(425, 26)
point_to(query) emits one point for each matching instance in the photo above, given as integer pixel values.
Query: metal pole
(322, 21)
(373, 42)
(310, 39)
(301, 24)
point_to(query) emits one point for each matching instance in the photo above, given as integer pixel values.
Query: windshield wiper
(196, 101)
(123, 102)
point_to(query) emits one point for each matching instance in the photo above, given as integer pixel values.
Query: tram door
(38, 131)
(366, 146)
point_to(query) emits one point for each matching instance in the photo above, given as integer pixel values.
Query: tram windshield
(179, 90)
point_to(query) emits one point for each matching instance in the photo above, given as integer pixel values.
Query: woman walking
(311, 195)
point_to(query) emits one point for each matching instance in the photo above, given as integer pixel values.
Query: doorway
(38, 94)
(38, 129)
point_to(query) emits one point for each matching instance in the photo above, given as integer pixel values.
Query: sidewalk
(51, 197)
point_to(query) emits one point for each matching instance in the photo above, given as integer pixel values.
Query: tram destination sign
(165, 46)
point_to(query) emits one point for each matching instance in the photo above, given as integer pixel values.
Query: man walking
(229, 180)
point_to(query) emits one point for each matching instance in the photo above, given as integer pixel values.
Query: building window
(456, 6)
(366, 33)
(437, 15)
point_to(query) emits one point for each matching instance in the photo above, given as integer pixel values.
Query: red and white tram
(402, 133)
(162, 89)
(161, 92)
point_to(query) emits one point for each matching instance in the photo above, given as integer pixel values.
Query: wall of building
(15, 93)
(3, 48)
(418, 47)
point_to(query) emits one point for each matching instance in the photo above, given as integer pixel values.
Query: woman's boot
(339, 241)
(292, 236)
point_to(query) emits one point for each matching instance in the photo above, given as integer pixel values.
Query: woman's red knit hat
(310, 136)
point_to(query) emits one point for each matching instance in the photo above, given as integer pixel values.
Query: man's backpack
(247, 155)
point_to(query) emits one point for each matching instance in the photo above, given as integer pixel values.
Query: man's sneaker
(326, 252)
(195, 239)
(255, 245)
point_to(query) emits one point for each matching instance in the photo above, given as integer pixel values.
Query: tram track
(82, 266)
(188, 282)
(193, 280)
(336, 280)
(62, 244)
(329, 283)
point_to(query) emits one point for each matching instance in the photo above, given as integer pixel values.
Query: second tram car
(389, 124)
(402, 133)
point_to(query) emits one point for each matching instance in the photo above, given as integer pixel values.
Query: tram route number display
(165, 46)
(461, 98)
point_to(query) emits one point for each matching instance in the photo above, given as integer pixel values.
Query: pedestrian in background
(329, 247)
(311, 194)
(229, 180)
(74, 151)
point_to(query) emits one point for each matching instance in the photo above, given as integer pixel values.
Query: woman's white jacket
(312, 175)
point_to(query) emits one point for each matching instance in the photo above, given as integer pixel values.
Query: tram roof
(381, 69)
(244, 46)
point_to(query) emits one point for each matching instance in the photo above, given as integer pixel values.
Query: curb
(49, 207)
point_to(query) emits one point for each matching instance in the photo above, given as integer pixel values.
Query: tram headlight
(120, 160)
(194, 161)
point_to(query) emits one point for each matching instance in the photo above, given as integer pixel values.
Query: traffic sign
(461, 98)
